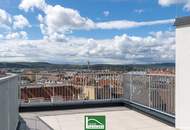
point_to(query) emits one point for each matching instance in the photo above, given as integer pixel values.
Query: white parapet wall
(9, 104)
(183, 73)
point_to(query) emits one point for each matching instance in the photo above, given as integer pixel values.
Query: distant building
(89, 93)
(2, 73)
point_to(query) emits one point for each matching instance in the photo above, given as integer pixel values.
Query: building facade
(9, 104)
(182, 73)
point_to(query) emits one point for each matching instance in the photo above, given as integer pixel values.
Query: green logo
(95, 123)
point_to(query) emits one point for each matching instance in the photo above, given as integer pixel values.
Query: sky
(99, 31)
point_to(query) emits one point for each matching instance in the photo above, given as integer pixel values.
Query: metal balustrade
(76, 86)
(153, 91)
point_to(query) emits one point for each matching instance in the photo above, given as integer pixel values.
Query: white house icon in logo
(93, 124)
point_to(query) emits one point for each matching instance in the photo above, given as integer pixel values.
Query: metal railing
(73, 86)
(153, 91)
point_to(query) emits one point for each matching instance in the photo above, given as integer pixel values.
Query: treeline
(44, 65)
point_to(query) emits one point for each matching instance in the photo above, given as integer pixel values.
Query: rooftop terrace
(117, 118)
(137, 97)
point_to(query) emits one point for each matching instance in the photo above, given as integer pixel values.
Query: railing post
(130, 87)
(53, 93)
(149, 90)
(19, 89)
(35, 121)
(110, 85)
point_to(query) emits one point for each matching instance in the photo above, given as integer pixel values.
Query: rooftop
(58, 108)
(117, 118)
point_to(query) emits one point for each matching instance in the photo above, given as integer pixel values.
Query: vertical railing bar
(154, 94)
(130, 87)
(149, 91)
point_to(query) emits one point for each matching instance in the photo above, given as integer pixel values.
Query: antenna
(88, 65)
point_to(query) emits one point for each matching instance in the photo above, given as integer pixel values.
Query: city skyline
(107, 31)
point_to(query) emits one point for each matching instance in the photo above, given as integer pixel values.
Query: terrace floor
(117, 118)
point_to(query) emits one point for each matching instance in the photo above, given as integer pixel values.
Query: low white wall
(183, 78)
(9, 115)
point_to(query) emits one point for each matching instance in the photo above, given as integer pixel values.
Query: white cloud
(16, 21)
(16, 35)
(106, 13)
(1, 36)
(124, 24)
(187, 6)
(157, 47)
(5, 19)
(139, 11)
(59, 21)
(30, 4)
(20, 22)
(170, 2)
(40, 18)
(62, 20)
(9, 25)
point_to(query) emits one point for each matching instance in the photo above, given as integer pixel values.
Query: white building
(9, 115)
(183, 73)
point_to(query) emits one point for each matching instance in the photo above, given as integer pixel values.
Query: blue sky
(93, 9)
(70, 31)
